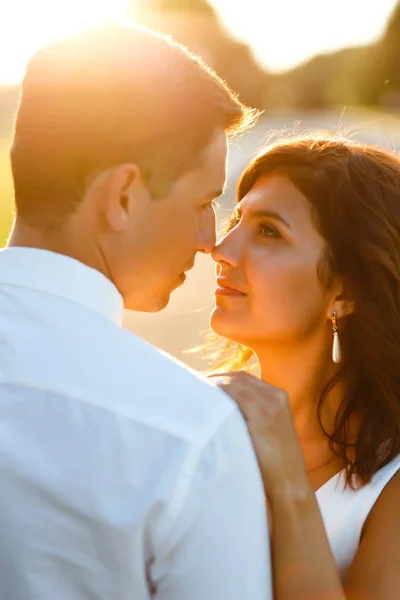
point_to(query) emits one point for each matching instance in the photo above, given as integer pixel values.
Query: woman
(309, 283)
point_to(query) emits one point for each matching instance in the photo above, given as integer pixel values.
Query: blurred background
(314, 64)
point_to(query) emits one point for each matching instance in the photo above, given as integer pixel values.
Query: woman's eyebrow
(257, 214)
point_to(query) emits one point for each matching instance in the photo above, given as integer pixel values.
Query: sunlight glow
(283, 34)
(26, 25)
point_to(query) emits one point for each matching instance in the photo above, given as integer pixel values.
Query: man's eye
(213, 205)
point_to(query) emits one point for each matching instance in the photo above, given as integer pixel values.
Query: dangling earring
(336, 349)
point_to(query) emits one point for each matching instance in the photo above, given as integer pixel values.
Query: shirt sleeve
(218, 545)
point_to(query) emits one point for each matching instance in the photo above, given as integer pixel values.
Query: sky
(281, 34)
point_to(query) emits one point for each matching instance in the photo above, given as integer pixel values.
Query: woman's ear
(343, 304)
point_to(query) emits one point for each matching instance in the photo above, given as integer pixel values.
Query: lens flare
(27, 25)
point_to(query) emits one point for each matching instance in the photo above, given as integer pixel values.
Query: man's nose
(208, 238)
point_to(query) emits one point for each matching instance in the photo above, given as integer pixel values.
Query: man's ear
(116, 193)
(124, 186)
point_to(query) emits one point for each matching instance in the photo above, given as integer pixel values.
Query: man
(123, 474)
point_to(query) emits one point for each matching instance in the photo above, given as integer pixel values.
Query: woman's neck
(303, 370)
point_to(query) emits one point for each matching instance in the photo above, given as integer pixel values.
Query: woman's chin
(225, 324)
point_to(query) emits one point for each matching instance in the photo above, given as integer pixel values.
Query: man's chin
(152, 305)
(156, 301)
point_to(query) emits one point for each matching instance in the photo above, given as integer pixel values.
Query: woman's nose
(227, 251)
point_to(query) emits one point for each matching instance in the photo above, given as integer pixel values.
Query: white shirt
(120, 470)
(345, 511)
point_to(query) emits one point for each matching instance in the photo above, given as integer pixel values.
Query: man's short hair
(117, 93)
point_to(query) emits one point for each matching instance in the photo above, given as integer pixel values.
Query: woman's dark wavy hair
(354, 193)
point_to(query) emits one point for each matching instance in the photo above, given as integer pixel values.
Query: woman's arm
(303, 564)
(375, 571)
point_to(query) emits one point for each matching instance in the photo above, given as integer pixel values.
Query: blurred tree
(380, 80)
(367, 75)
(195, 24)
(199, 6)
(325, 80)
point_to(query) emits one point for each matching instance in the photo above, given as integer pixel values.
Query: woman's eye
(268, 231)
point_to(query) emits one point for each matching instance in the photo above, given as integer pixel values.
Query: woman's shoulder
(375, 566)
(385, 474)
(369, 513)
(386, 486)
(348, 510)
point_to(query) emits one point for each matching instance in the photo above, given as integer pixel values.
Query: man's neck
(25, 235)
(65, 239)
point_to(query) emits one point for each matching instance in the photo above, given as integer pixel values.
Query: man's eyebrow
(259, 214)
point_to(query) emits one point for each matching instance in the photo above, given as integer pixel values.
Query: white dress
(345, 511)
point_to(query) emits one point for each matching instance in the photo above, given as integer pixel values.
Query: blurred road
(179, 327)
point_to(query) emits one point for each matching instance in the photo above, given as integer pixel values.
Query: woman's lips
(226, 291)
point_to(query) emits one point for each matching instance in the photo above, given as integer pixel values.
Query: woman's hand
(269, 419)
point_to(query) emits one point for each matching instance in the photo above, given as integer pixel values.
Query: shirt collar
(63, 276)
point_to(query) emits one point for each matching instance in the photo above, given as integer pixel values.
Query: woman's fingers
(264, 407)
(245, 388)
